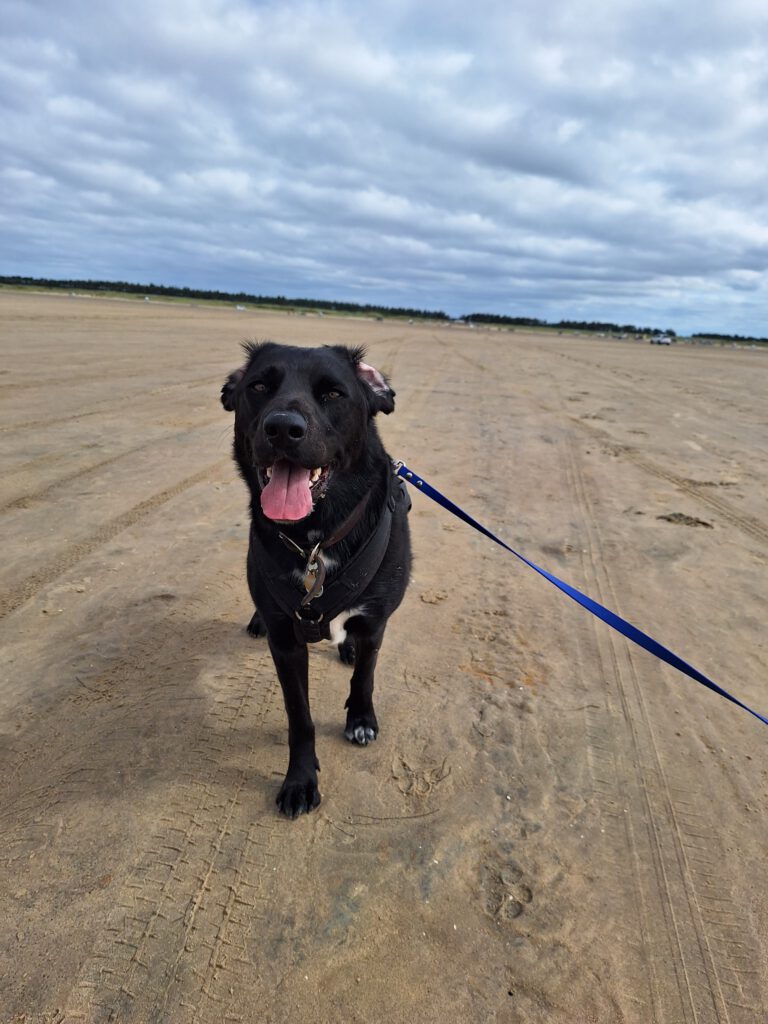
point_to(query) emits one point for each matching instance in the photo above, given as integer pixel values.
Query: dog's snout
(284, 428)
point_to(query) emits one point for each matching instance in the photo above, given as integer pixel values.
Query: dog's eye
(331, 394)
(258, 385)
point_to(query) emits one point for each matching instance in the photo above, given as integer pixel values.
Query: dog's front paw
(361, 729)
(298, 795)
(347, 652)
(256, 626)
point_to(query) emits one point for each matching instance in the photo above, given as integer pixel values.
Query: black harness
(312, 603)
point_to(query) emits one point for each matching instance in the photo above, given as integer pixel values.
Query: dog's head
(301, 417)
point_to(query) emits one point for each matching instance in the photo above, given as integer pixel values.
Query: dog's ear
(378, 391)
(228, 391)
(381, 396)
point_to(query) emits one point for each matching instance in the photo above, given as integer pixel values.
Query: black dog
(329, 553)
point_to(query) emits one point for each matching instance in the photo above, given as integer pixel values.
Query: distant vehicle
(662, 339)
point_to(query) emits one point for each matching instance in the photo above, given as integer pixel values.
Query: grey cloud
(602, 157)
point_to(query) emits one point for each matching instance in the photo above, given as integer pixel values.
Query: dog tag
(310, 580)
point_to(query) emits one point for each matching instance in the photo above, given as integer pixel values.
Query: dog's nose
(285, 428)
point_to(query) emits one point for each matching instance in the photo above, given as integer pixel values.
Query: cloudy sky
(572, 158)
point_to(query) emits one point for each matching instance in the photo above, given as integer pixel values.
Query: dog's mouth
(289, 491)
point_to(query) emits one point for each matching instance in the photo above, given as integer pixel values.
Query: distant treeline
(169, 291)
(365, 309)
(566, 325)
(727, 337)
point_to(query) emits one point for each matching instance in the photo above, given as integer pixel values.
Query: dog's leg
(299, 793)
(347, 651)
(362, 726)
(256, 626)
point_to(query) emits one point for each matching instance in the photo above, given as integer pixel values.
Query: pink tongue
(287, 495)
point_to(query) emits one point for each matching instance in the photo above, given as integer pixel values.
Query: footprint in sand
(505, 894)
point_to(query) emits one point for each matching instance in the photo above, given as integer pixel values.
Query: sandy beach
(552, 828)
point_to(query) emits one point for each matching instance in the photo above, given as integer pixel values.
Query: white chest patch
(336, 626)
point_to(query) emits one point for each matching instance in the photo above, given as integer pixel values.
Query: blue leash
(625, 628)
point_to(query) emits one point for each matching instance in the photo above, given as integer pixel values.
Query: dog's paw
(256, 626)
(347, 652)
(298, 796)
(361, 729)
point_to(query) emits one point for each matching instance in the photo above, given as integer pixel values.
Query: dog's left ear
(381, 395)
(228, 390)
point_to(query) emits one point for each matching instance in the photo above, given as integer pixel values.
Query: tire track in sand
(178, 937)
(698, 949)
(107, 405)
(755, 528)
(631, 382)
(35, 582)
(23, 501)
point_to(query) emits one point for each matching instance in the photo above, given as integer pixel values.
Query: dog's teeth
(268, 472)
(315, 475)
